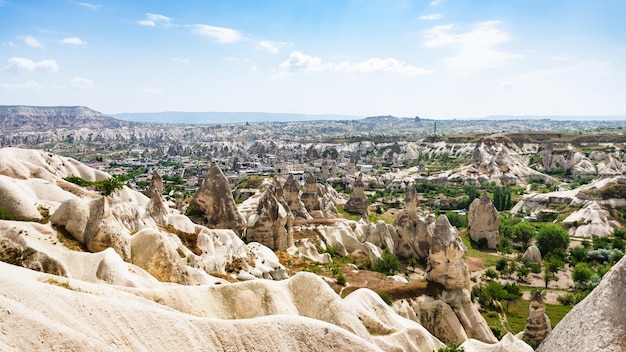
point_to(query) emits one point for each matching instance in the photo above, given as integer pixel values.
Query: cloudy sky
(432, 58)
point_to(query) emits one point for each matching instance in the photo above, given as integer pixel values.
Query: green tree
(502, 198)
(582, 274)
(110, 185)
(578, 254)
(523, 232)
(552, 239)
(513, 293)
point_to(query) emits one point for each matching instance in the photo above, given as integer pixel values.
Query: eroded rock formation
(291, 191)
(271, 224)
(214, 201)
(538, 324)
(484, 221)
(358, 201)
(414, 232)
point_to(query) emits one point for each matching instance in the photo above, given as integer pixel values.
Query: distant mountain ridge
(41, 118)
(209, 117)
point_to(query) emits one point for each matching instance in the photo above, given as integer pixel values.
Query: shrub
(386, 298)
(387, 264)
(620, 233)
(601, 242)
(490, 273)
(600, 256)
(341, 279)
(578, 254)
(501, 264)
(451, 347)
(457, 220)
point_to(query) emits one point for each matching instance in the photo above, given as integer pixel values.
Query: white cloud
(299, 61)
(153, 19)
(34, 85)
(431, 17)
(31, 41)
(435, 2)
(24, 64)
(382, 65)
(9, 44)
(154, 91)
(80, 83)
(73, 41)
(476, 48)
(181, 60)
(220, 34)
(272, 47)
(90, 6)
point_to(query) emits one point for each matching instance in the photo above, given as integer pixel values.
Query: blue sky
(432, 58)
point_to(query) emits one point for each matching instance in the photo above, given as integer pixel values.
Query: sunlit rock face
(596, 323)
(215, 202)
(484, 221)
(358, 201)
(291, 192)
(414, 233)
(270, 225)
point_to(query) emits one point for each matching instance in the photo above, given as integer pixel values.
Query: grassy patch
(69, 242)
(5, 215)
(518, 313)
(349, 216)
(473, 251)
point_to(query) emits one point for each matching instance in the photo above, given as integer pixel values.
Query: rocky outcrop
(446, 267)
(538, 324)
(435, 315)
(596, 323)
(155, 253)
(445, 258)
(532, 255)
(309, 197)
(215, 204)
(414, 232)
(291, 192)
(92, 223)
(270, 225)
(509, 343)
(157, 207)
(358, 201)
(484, 221)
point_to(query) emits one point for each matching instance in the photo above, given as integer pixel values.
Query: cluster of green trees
(106, 187)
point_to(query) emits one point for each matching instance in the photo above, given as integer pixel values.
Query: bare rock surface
(270, 224)
(598, 322)
(532, 255)
(214, 200)
(484, 221)
(358, 201)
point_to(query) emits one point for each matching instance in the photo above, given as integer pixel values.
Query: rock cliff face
(358, 201)
(538, 324)
(597, 323)
(214, 200)
(484, 221)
